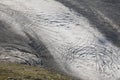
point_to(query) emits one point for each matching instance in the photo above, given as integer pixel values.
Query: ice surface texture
(77, 37)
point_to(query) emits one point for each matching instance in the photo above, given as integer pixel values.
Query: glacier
(47, 33)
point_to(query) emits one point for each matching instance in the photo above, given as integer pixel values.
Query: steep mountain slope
(10, 71)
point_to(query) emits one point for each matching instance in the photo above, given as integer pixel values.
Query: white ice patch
(70, 38)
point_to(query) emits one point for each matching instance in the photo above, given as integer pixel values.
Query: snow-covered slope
(45, 32)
